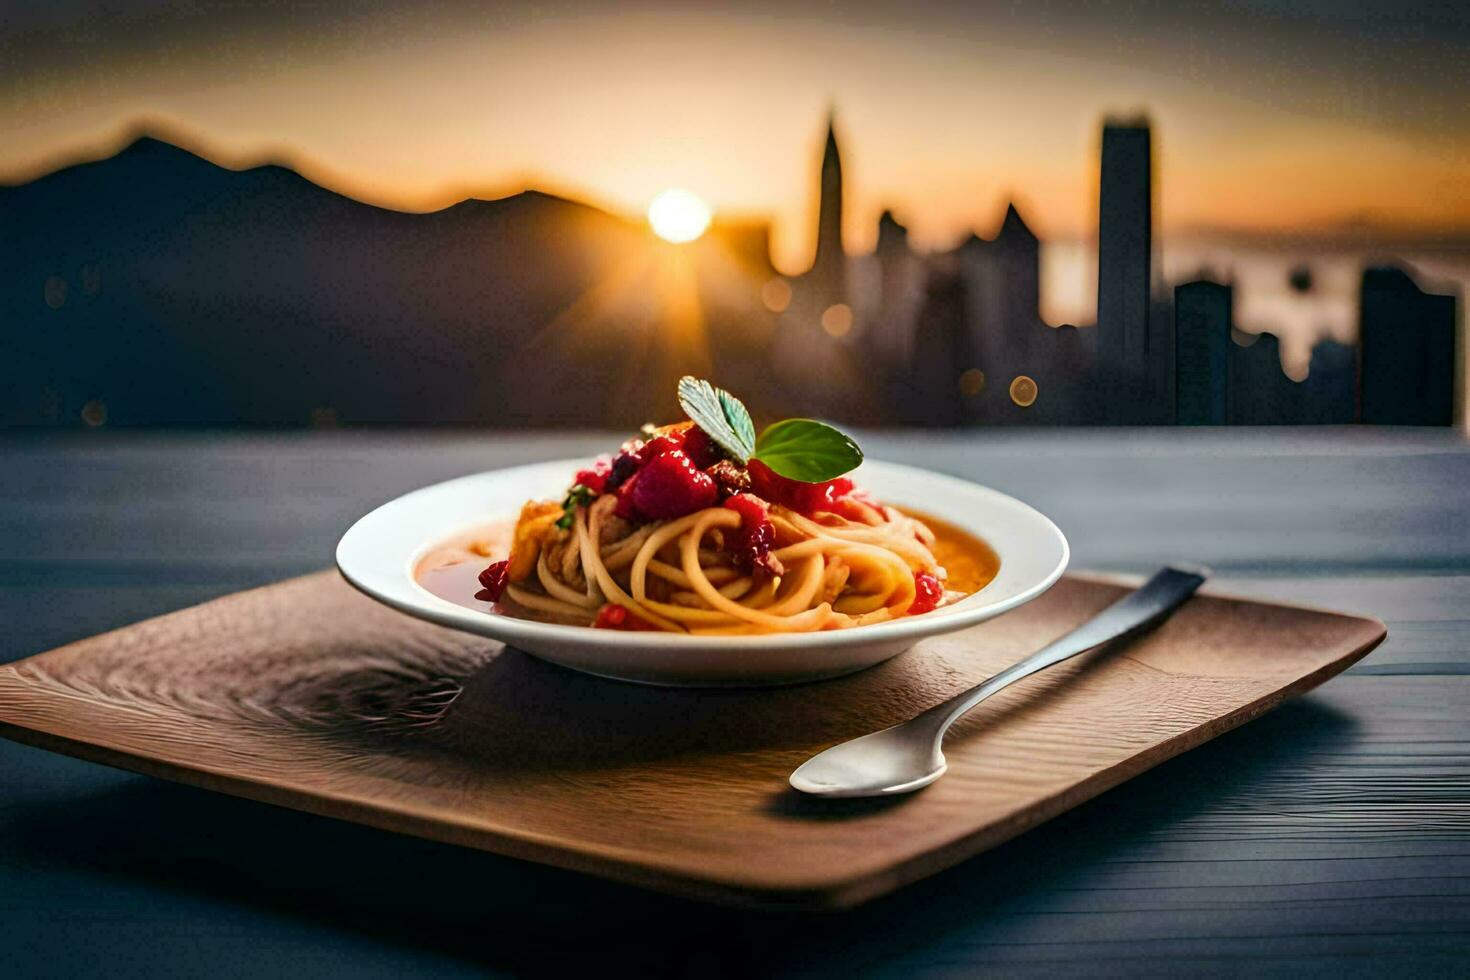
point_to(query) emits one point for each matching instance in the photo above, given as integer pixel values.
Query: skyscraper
(892, 254)
(1202, 316)
(889, 330)
(1003, 293)
(1124, 262)
(1017, 300)
(1407, 340)
(933, 395)
(829, 270)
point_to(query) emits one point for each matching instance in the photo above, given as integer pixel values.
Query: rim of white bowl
(398, 588)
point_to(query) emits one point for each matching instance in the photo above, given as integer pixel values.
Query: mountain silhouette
(160, 288)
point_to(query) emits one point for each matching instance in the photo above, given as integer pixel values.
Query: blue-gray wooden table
(1330, 837)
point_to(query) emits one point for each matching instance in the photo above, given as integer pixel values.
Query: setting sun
(678, 216)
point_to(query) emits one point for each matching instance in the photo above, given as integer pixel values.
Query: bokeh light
(972, 382)
(1023, 390)
(837, 320)
(776, 295)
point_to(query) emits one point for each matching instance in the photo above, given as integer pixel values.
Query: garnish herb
(807, 450)
(578, 496)
(798, 449)
(721, 415)
(738, 418)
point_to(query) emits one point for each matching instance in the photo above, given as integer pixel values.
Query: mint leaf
(807, 450)
(739, 420)
(720, 414)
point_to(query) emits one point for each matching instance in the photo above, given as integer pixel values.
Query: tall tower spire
(830, 268)
(1125, 203)
(1135, 362)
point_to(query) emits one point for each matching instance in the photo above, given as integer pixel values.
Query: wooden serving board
(308, 695)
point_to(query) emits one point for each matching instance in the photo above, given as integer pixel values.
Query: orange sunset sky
(1270, 117)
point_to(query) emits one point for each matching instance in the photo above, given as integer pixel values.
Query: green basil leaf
(807, 450)
(720, 414)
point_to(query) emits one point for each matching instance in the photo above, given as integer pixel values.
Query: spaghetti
(681, 575)
(741, 564)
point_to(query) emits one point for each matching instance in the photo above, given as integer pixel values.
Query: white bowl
(379, 553)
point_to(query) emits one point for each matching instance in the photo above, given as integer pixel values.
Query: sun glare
(678, 216)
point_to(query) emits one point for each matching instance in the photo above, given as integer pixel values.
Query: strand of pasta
(587, 548)
(541, 603)
(834, 541)
(819, 617)
(871, 514)
(719, 574)
(783, 613)
(826, 540)
(620, 554)
(610, 588)
(884, 537)
(690, 531)
(730, 590)
(638, 576)
(723, 611)
(558, 590)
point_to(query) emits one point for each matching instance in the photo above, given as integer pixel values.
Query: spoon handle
(1151, 602)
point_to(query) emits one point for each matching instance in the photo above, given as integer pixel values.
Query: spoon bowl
(895, 760)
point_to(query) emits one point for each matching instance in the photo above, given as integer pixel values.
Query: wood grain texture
(308, 695)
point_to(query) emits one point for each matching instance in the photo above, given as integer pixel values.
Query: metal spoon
(907, 756)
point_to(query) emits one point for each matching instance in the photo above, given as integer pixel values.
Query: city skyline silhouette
(897, 336)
